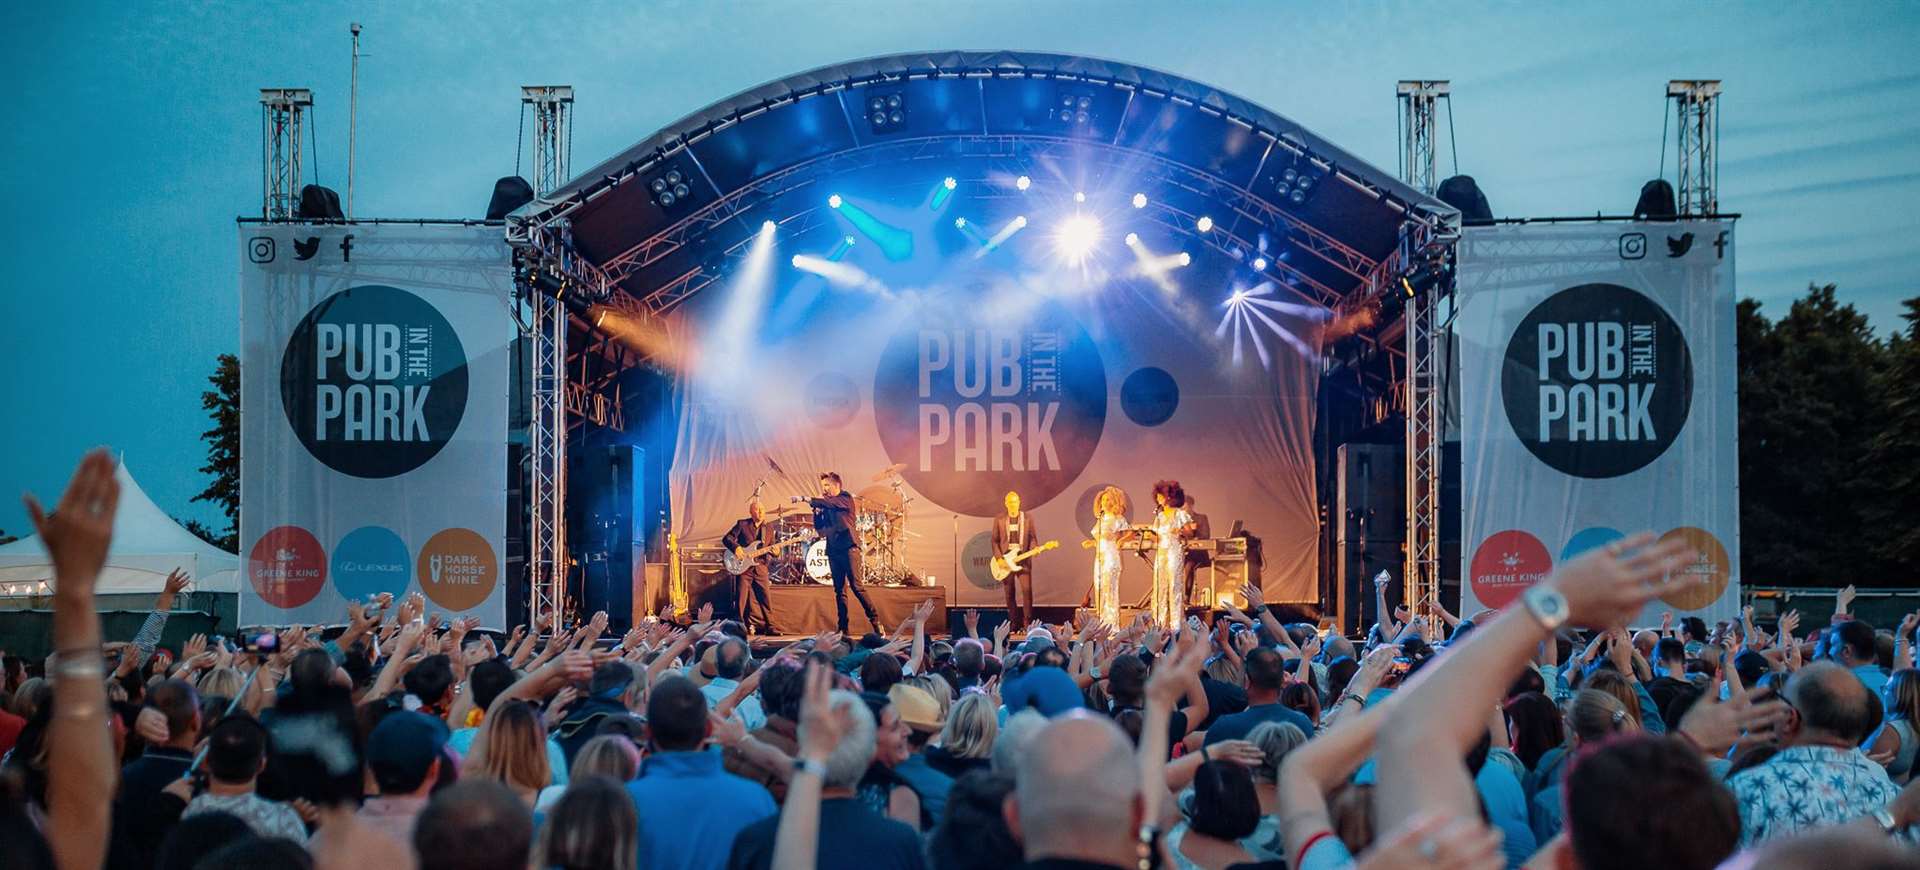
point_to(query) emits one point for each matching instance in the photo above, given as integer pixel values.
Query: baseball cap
(916, 708)
(402, 747)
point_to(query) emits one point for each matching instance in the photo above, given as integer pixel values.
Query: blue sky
(132, 140)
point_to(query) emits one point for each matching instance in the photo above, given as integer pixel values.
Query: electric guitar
(1002, 566)
(737, 564)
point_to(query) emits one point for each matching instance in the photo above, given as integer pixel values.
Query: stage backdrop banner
(976, 383)
(373, 379)
(1597, 389)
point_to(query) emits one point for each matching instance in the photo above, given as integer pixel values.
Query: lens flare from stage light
(834, 201)
(950, 183)
(1079, 196)
(1186, 259)
(1259, 264)
(1248, 319)
(959, 223)
(1077, 237)
(1204, 224)
(1139, 200)
(1023, 182)
(1132, 239)
(769, 226)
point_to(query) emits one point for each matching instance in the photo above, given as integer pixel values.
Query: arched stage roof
(767, 153)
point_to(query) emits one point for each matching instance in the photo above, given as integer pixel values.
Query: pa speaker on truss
(319, 204)
(1656, 201)
(509, 193)
(1462, 193)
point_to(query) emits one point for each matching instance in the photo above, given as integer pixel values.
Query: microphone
(797, 499)
(772, 464)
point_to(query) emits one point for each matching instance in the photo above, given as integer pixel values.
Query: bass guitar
(1002, 566)
(738, 563)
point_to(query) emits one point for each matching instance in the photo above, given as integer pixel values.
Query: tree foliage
(1821, 501)
(222, 404)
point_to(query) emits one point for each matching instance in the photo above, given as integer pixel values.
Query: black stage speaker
(1370, 512)
(319, 204)
(509, 193)
(612, 549)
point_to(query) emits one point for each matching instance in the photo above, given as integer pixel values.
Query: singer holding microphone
(833, 519)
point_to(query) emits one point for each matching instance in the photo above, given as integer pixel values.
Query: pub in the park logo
(374, 381)
(1598, 381)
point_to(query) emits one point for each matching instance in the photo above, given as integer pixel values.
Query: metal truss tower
(283, 120)
(547, 441)
(1696, 111)
(1419, 103)
(1421, 387)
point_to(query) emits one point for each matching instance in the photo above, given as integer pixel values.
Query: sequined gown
(1169, 561)
(1106, 567)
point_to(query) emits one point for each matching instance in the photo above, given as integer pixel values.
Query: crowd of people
(1544, 736)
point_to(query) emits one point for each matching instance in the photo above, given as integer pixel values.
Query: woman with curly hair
(1172, 525)
(1109, 526)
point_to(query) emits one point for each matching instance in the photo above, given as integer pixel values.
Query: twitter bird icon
(1675, 247)
(304, 250)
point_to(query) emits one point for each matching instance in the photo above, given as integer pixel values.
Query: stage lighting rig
(671, 188)
(1074, 110)
(886, 111)
(1297, 180)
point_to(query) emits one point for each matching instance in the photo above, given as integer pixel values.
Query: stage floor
(804, 611)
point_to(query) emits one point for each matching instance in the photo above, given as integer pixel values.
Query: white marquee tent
(147, 545)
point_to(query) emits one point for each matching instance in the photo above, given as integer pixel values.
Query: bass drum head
(817, 566)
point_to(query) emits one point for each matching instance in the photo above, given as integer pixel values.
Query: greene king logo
(975, 409)
(374, 381)
(1598, 381)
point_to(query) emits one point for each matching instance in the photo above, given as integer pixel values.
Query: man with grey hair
(1014, 737)
(1077, 800)
(1819, 777)
(852, 836)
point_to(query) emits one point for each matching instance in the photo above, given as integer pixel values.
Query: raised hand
(632, 638)
(1435, 840)
(1788, 624)
(151, 725)
(177, 581)
(1255, 598)
(921, 613)
(821, 727)
(1237, 751)
(706, 613)
(194, 646)
(725, 731)
(1907, 624)
(1715, 725)
(557, 708)
(971, 619)
(78, 532)
(1172, 674)
(1000, 633)
(1308, 650)
(893, 647)
(1606, 587)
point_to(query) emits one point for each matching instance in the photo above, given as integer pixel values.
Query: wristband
(1351, 696)
(1301, 858)
(808, 765)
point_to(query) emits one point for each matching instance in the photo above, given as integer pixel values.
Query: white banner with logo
(1597, 389)
(373, 380)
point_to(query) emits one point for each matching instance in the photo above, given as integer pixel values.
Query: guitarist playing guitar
(751, 585)
(1013, 536)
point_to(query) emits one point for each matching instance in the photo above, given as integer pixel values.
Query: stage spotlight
(834, 201)
(1023, 182)
(1296, 182)
(1139, 200)
(1204, 224)
(960, 223)
(1079, 196)
(849, 240)
(886, 112)
(1077, 237)
(1259, 264)
(1020, 220)
(768, 226)
(950, 183)
(795, 261)
(1186, 259)
(1133, 239)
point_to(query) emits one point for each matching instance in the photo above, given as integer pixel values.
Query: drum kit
(879, 527)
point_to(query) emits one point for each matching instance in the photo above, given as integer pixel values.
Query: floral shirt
(266, 818)
(1805, 787)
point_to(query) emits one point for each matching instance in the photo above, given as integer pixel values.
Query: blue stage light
(1139, 200)
(1259, 264)
(1204, 224)
(1023, 182)
(834, 201)
(950, 183)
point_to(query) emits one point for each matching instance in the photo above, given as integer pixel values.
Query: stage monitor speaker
(653, 593)
(1656, 201)
(990, 618)
(613, 543)
(1370, 513)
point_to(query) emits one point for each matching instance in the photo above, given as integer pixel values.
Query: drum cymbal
(889, 471)
(878, 498)
(783, 510)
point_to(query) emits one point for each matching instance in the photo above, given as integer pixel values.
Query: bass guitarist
(751, 584)
(1014, 531)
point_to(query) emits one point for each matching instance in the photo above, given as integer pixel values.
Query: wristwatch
(808, 765)
(1547, 605)
(1886, 821)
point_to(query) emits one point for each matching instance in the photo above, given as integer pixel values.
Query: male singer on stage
(833, 519)
(1014, 530)
(745, 535)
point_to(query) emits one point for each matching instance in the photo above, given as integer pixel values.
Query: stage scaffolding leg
(547, 456)
(1424, 436)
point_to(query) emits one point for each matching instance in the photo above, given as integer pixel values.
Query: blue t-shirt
(1237, 726)
(691, 810)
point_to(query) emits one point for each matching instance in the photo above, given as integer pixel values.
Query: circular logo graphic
(1706, 577)
(1598, 381)
(374, 381)
(1083, 509)
(1149, 396)
(368, 561)
(1505, 564)
(287, 566)
(977, 409)
(832, 400)
(1592, 538)
(457, 569)
(974, 559)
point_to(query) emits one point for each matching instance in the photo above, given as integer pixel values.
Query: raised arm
(1439, 715)
(80, 765)
(919, 653)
